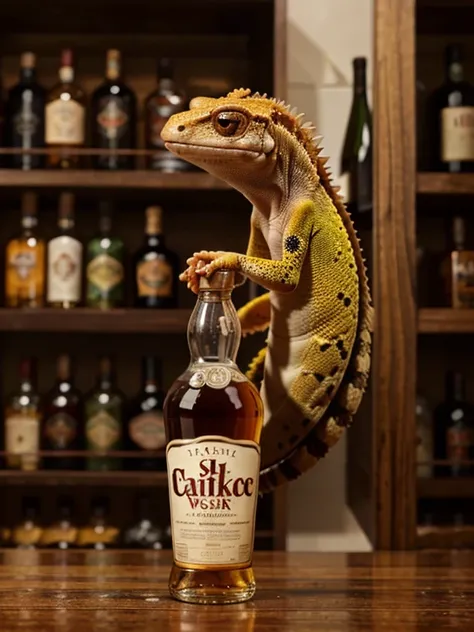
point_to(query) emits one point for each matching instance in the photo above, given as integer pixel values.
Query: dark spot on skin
(330, 389)
(339, 252)
(283, 280)
(343, 354)
(305, 422)
(181, 128)
(280, 445)
(319, 377)
(336, 260)
(324, 347)
(292, 243)
(293, 439)
(315, 446)
(340, 296)
(289, 471)
(347, 302)
(333, 371)
(287, 275)
(351, 265)
(340, 344)
(340, 227)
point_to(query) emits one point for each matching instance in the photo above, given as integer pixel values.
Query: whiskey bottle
(145, 533)
(458, 269)
(22, 421)
(454, 429)
(65, 259)
(105, 277)
(62, 533)
(62, 419)
(27, 534)
(25, 116)
(113, 117)
(146, 428)
(156, 267)
(213, 420)
(99, 534)
(25, 260)
(65, 117)
(160, 105)
(103, 411)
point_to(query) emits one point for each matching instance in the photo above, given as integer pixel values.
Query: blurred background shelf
(445, 321)
(445, 183)
(460, 487)
(56, 478)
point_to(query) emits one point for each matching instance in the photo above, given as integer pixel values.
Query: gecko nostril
(180, 128)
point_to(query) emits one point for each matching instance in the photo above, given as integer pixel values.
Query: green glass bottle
(103, 411)
(105, 276)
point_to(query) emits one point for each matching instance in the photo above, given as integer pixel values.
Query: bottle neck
(459, 233)
(29, 221)
(112, 70)
(151, 374)
(105, 382)
(455, 71)
(27, 75)
(455, 387)
(66, 223)
(214, 328)
(66, 74)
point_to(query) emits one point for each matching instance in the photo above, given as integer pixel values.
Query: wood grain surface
(46, 591)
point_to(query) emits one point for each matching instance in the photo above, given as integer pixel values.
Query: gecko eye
(230, 123)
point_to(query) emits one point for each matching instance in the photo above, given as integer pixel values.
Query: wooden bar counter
(90, 591)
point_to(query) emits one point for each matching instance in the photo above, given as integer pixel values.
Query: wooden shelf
(68, 477)
(445, 183)
(445, 321)
(88, 178)
(445, 537)
(445, 487)
(89, 320)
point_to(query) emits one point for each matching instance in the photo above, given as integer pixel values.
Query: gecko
(304, 250)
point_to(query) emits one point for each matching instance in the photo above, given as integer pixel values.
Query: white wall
(323, 38)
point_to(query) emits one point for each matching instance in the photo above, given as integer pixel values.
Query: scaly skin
(304, 250)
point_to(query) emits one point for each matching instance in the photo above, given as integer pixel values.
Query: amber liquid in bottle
(213, 419)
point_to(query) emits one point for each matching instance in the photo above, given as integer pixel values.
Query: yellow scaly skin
(304, 250)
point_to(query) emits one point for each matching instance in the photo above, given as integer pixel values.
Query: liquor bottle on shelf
(145, 533)
(25, 116)
(451, 114)
(61, 534)
(146, 429)
(103, 412)
(114, 117)
(61, 427)
(105, 277)
(22, 421)
(213, 420)
(424, 437)
(25, 260)
(454, 429)
(99, 534)
(458, 269)
(356, 161)
(160, 105)
(27, 534)
(65, 117)
(65, 259)
(156, 268)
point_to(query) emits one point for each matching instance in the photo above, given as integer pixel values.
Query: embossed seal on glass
(218, 377)
(198, 379)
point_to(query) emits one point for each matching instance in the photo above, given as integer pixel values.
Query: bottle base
(212, 587)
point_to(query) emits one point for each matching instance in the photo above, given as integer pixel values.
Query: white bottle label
(65, 123)
(457, 134)
(22, 437)
(64, 269)
(213, 485)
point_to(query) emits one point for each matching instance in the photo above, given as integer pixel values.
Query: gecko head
(225, 135)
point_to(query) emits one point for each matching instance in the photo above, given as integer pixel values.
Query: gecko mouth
(190, 149)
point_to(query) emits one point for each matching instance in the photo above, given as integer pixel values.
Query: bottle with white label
(213, 420)
(22, 421)
(64, 280)
(452, 117)
(65, 121)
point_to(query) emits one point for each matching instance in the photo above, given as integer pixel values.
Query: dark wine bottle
(356, 162)
(25, 115)
(145, 533)
(451, 113)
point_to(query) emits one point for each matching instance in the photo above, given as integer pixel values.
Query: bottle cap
(29, 203)
(113, 63)
(64, 367)
(28, 60)
(165, 68)
(454, 53)
(154, 217)
(219, 280)
(66, 57)
(66, 205)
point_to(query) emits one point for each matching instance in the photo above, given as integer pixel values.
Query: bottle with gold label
(64, 259)
(61, 427)
(156, 268)
(27, 534)
(62, 533)
(65, 122)
(105, 278)
(146, 428)
(213, 421)
(103, 412)
(22, 421)
(25, 260)
(458, 269)
(98, 534)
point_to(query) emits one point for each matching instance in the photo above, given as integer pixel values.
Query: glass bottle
(156, 267)
(103, 412)
(98, 534)
(65, 117)
(27, 534)
(160, 105)
(22, 421)
(113, 109)
(213, 420)
(25, 260)
(25, 115)
(454, 429)
(62, 533)
(146, 428)
(105, 276)
(458, 269)
(65, 259)
(62, 419)
(356, 161)
(143, 534)
(451, 110)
